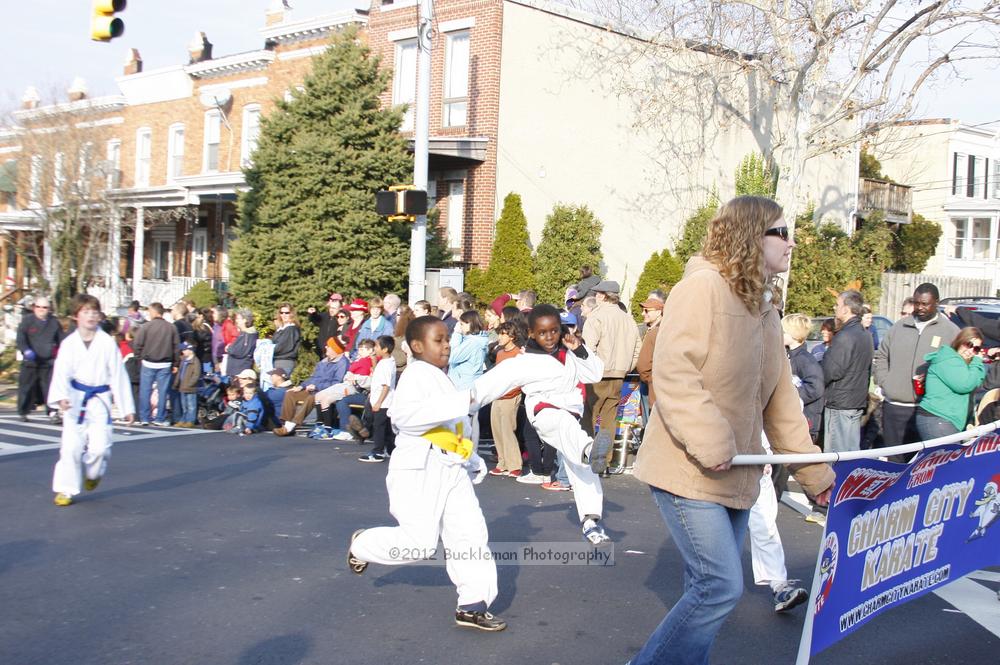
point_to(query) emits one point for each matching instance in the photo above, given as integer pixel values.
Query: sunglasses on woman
(285, 311)
(975, 349)
(779, 231)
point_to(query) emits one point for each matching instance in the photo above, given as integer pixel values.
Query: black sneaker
(481, 620)
(371, 457)
(598, 457)
(356, 565)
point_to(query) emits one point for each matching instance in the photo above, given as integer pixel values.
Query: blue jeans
(344, 407)
(930, 426)
(710, 538)
(189, 407)
(842, 430)
(561, 474)
(147, 377)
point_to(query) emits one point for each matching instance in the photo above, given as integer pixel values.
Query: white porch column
(140, 239)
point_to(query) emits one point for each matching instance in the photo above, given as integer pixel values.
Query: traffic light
(104, 25)
(401, 203)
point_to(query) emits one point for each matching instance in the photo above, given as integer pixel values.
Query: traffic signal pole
(421, 150)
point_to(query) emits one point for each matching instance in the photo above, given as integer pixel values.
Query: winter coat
(328, 327)
(468, 358)
(241, 352)
(614, 337)
(381, 327)
(327, 373)
(901, 354)
(186, 378)
(203, 343)
(950, 381)
(156, 341)
(847, 367)
(40, 337)
(252, 411)
(644, 365)
(713, 401)
(810, 384)
(286, 342)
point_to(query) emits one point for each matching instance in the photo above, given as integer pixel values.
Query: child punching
(88, 377)
(550, 373)
(430, 479)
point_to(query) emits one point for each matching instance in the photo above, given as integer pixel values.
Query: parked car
(984, 306)
(880, 323)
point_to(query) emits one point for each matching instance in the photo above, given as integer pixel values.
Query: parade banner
(895, 532)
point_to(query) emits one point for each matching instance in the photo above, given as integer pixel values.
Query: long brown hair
(403, 317)
(735, 244)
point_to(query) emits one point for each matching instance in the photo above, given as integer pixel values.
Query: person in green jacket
(953, 374)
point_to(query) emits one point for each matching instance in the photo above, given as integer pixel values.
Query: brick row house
(519, 103)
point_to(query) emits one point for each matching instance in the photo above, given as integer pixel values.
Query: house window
(977, 177)
(251, 131)
(959, 174)
(58, 179)
(84, 173)
(456, 81)
(961, 227)
(35, 181)
(981, 238)
(213, 131)
(996, 180)
(161, 259)
(143, 156)
(114, 156)
(228, 238)
(456, 215)
(199, 252)
(175, 152)
(404, 85)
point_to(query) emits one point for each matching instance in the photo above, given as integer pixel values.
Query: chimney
(30, 99)
(78, 90)
(200, 48)
(133, 62)
(275, 13)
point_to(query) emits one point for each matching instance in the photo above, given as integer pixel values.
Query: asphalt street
(214, 549)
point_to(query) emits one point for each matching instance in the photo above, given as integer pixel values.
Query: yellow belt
(445, 439)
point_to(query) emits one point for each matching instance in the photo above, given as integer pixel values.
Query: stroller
(210, 402)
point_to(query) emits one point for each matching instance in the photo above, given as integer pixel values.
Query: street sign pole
(421, 136)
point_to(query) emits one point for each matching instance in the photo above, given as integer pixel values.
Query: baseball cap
(279, 371)
(247, 374)
(567, 318)
(185, 346)
(608, 286)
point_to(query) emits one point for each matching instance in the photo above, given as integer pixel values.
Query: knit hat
(334, 343)
(357, 305)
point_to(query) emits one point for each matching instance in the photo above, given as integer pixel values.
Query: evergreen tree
(571, 238)
(202, 294)
(510, 259)
(754, 177)
(661, 271)
(308, 222)
(914, 244)
(695, 229)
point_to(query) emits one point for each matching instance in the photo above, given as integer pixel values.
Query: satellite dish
(212, 99)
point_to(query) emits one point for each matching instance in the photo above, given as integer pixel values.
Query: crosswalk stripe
(14, 449)
(976, 601)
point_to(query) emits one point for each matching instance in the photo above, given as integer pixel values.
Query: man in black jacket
(847, 367)
(38, 338)
(326, 321)
(156, 345)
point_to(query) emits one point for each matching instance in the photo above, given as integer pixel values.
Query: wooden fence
(897, 287)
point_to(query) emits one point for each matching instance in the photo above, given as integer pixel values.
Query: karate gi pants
(562, 431)
(436, 501)
(84, 448)
(766, 551)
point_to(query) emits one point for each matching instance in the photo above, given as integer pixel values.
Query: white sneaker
(343, 436)
(594, 532)
(532, 478)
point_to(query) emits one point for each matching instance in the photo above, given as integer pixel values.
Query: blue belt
(89, 392)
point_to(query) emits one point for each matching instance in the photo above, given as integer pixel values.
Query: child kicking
(430, 479)
(88, 374)
(549, 374)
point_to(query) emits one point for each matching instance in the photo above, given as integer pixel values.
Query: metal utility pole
(421, 136)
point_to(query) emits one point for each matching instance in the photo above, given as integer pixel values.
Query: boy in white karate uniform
(430, 479)
(88, 374)
(550, 374)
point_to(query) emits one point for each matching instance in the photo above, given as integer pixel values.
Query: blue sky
(47, 44)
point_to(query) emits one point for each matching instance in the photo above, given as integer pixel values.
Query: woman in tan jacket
(720, 375)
